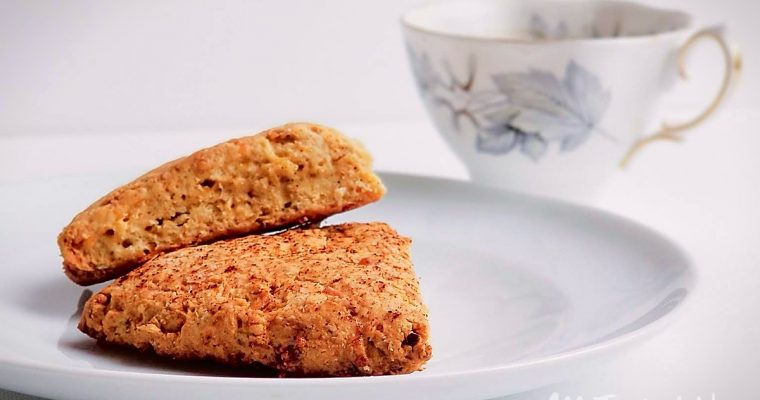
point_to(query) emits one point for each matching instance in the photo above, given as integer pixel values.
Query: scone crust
(336, 301)
(293, 174)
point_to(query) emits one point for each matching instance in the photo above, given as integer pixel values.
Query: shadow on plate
(53, 297)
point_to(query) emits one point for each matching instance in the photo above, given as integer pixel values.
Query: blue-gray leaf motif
(422, 69)
(502, 136)
(529, 112)
(564, 110)
(498, 140)
(534, 146)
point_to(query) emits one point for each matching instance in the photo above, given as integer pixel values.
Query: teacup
(550, 97)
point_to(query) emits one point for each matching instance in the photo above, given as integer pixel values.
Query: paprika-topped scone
(341, 300)
(286, 176)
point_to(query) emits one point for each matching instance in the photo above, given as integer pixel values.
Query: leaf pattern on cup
(539, 29)
(528, 111)
(564, 111)
(502, 136)
(422, 69)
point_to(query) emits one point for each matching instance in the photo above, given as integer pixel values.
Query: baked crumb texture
(290, 175)
(337, 301)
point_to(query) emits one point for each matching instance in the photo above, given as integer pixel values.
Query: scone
(336, 301)
(285, 176)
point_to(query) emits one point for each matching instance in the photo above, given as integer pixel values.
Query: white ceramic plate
(522, 292)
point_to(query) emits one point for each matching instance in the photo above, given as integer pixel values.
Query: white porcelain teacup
(550, 97)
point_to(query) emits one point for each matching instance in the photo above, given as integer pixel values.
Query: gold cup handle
(733, 66)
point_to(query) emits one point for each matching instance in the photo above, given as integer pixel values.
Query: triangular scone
(336, 301)
(281, 177)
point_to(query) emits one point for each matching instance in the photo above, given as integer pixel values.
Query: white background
(127, 85)
(99, 67)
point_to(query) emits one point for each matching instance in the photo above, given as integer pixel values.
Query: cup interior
(538, 20)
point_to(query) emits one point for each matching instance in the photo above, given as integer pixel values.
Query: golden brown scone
(337, 301)
(282, 177)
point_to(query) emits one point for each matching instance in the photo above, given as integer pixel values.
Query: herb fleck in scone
(336, 301)
(285, 176)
